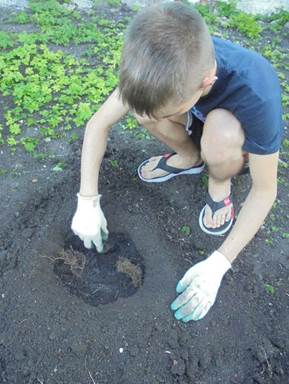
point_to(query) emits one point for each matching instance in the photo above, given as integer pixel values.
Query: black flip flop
(214, 205)
(162, 164)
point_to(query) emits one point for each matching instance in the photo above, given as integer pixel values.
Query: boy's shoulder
(240, 68)
(245, 66)
(248, 86)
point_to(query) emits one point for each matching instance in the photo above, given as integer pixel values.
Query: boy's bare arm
(95, 141)
(263, 169)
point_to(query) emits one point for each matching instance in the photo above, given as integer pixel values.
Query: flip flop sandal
(162, 164)
(214, 205)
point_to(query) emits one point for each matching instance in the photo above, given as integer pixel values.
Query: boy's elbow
(268, 193)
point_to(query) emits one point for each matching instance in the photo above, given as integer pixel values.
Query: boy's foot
(223, 221)
(217, 216)
(162, 168)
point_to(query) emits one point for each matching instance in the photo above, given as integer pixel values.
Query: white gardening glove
(89, 222)
(199, 287)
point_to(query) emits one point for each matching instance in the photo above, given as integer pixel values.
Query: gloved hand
(199, 287)
(89, 222)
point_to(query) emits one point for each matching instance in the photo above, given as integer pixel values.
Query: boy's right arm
(95, 141)
(89, 222)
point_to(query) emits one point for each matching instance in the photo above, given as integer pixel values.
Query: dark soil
(50, 335)
(100, 278)
(55, 329)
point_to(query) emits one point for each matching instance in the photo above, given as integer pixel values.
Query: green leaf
(3, 171)
(114, 164)
(6, 40)
(30, 143)
(186, 230)
(269, 289)
(21, 18)
(286, 143)
(58, 167)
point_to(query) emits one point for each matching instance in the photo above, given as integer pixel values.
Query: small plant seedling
(73, 138)
(136, 7)
(130, 124)
(3, 171)
(58, 167)
(269, 242)
(114, 3)
(274, 229)
(186, 230)
(114, 163)
(21, 18)
(286, 143)
(269, 289)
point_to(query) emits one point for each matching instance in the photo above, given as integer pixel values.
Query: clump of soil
(133, 271)
(100, 278)
(74, 259)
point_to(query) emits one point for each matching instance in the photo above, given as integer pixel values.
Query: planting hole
(100, 278)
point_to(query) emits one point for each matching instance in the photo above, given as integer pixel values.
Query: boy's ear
(209, 81)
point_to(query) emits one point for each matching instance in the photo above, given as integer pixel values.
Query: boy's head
(167, 61)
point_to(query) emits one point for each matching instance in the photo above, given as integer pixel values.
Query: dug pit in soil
(100, 278)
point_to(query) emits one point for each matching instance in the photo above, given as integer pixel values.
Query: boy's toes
(147, 168)
(219, 218)
(208, 217)
(216, 220)
(228, 216)
(223, 219)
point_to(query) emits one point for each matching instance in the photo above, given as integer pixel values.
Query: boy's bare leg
(172, 133)
(221, 149)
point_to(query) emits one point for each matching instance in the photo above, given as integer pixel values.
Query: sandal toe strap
(216, 205)
(162, 164)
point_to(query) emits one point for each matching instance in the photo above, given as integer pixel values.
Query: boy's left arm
(200, 284)
(263, 170)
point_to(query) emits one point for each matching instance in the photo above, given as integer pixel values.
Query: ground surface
(52, 334)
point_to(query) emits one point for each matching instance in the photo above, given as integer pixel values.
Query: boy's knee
(222, 136)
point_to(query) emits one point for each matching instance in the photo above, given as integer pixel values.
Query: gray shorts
(194, 128)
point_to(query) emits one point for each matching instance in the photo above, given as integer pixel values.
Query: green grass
(114, 3)
(278, 20)
(52, 94)
(226, 15)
